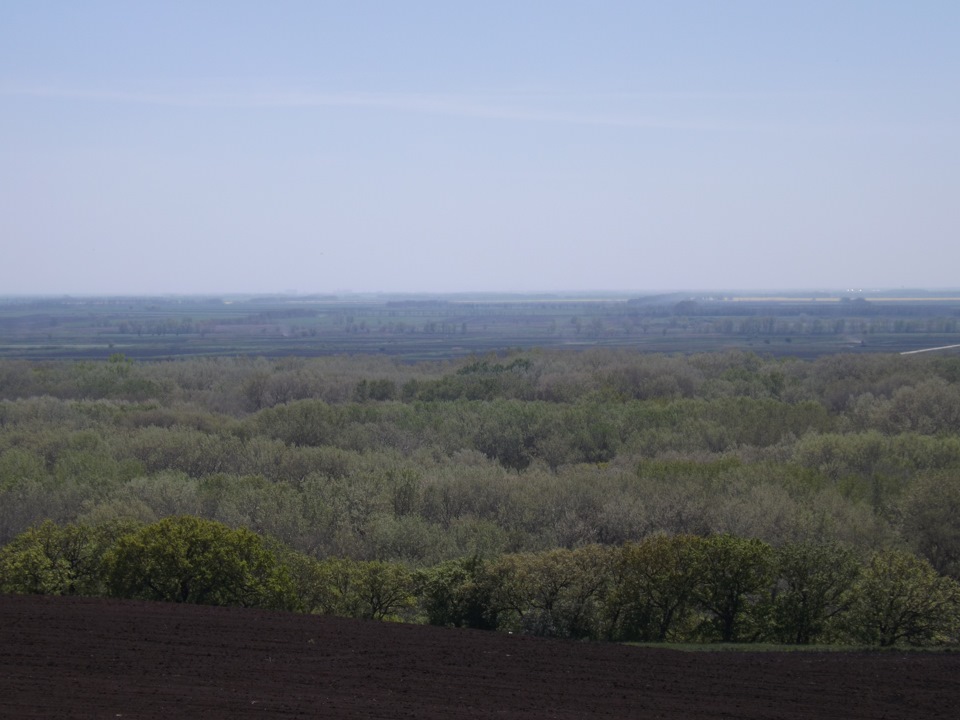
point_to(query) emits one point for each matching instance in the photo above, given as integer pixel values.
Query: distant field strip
(869, 298)
(942, 347)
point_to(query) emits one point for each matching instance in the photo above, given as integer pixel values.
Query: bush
(190, 560)
(52, 560)
(458, 593)
(901, 598)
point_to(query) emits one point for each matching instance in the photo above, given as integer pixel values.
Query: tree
(458, 593)
(900, 597)
(190, 560)
(311, 591)
(586, 432)
(383, 590)
(734, 574)
(657, 580)
(508, 431)
(931, 521)
(557, 592)
(369, 590)
(50, 559)
(813, 580)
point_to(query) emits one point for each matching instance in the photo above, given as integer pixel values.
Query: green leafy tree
(931, 521)
(310, 587)
(657, 581)
(302, 422)
(509, 431)
(558, 592)
(383, 590)
(901, 598)
(190, 560)
(459, 593)
(582, 433)
(811, 590)
(369, 590)
(734, 575)
(50, 559)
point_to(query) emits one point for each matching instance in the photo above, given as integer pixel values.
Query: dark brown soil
(79, 657)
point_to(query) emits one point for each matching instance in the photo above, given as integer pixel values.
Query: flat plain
(413, 328)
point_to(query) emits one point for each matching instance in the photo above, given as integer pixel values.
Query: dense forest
(590, 493)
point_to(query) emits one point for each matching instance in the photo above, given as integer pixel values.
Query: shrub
(901, 598)
(190, 560)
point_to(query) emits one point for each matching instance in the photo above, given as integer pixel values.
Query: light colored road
(943, 347)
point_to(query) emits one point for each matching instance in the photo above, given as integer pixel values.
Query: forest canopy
(363, 459)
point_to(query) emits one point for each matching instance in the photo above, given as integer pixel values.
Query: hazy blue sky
(209, 146)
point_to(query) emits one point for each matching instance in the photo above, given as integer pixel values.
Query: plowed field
(78, 657)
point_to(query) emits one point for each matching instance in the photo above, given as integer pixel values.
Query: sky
(443, 146)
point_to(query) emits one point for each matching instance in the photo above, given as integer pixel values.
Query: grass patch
(775, 647)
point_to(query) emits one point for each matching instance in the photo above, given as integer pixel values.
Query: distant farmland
(439, 327)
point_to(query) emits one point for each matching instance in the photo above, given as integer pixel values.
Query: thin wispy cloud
(513, 106)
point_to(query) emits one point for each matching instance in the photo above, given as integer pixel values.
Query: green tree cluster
(524, 451)
(666, 588)
(186, 559)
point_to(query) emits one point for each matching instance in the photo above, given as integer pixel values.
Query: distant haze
(230, 146)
